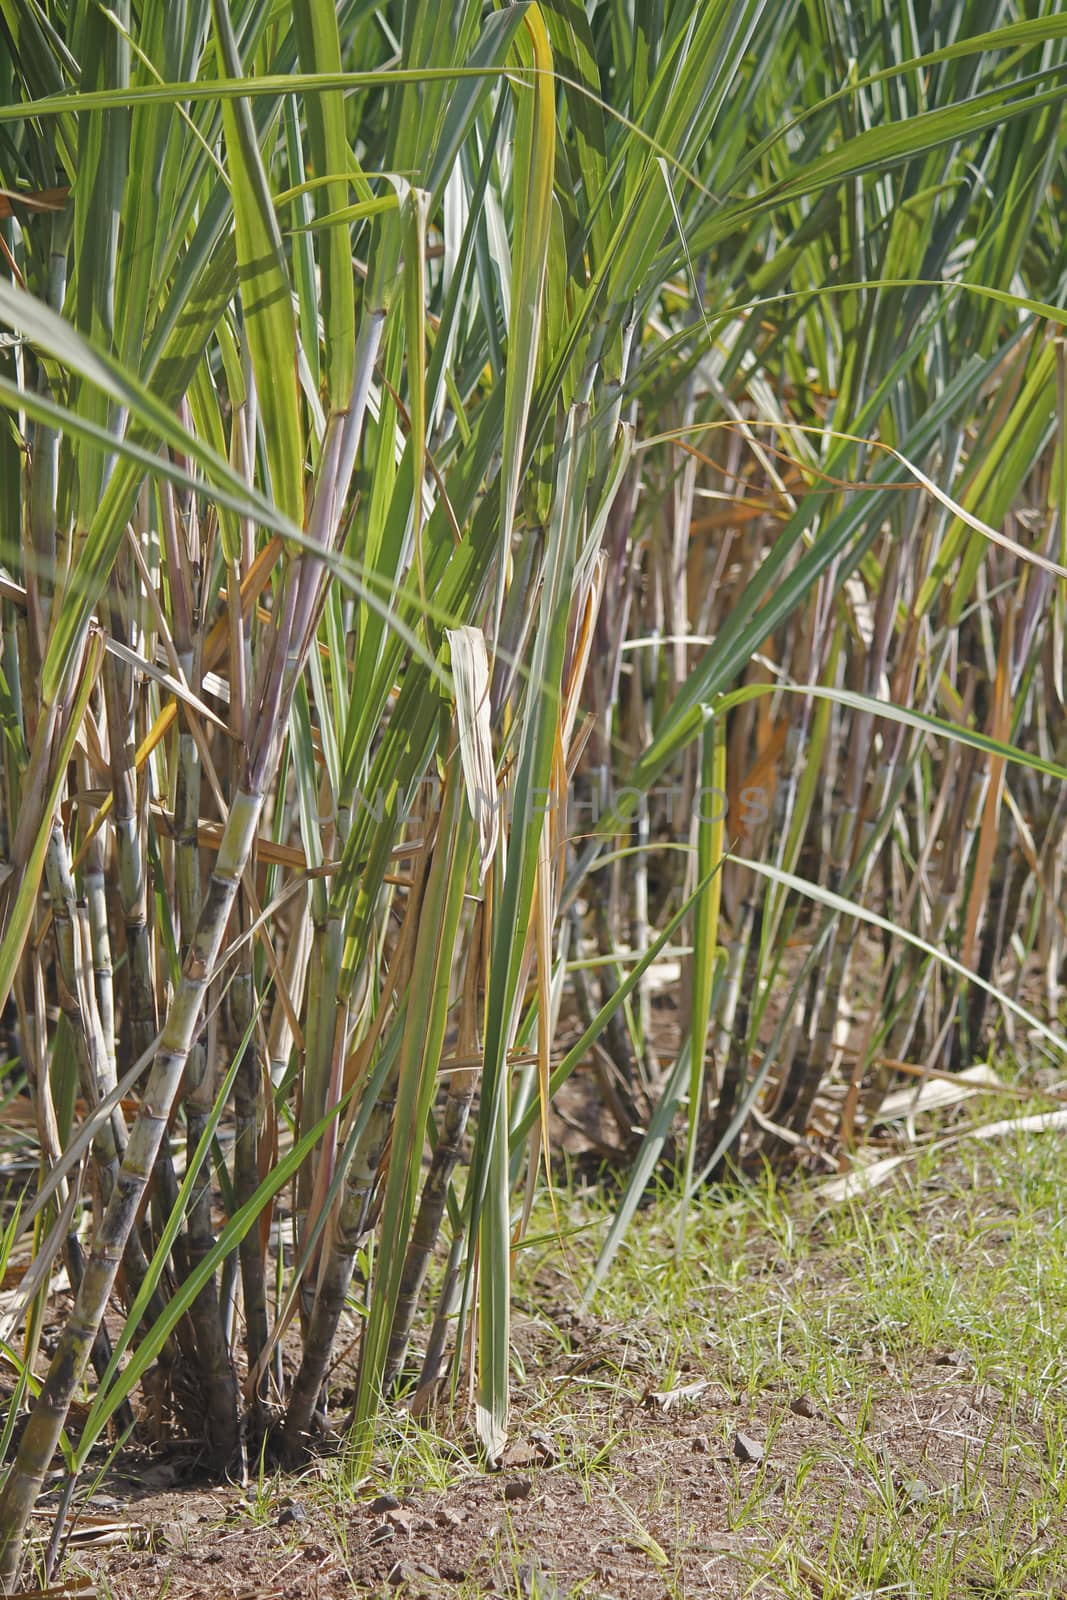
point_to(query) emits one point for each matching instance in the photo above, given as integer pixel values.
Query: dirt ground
(662, 1513)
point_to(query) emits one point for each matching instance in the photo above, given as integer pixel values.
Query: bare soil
(541, 1529)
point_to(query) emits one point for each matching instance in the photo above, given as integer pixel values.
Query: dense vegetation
(419, 422)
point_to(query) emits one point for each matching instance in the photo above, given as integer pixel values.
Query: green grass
(963, 1253)
(951, 1279)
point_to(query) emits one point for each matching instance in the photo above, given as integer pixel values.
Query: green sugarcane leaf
(710, 829)
(17, 926)
(535, 153)
(420, 1055)
(11, 725)
(320, 51)
(266, 294)
(490, 1161)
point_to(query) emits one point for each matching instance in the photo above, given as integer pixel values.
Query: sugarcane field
(533, 800)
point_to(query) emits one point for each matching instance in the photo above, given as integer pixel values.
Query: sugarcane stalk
(1000, 912)
(736, 1068)
(93, 1065)
(246, 1168)
(430, 1215)
(37, 1079)
(1055, 835)
(350, 1227)
(213, 1356)
(140, 1019)
(617, 1041)
(875, 819)
(41, 1436)
(280, 1033)
(731, 994)
(95, 1070)
(351, 1224)
(362, 1176)
(917, 969)
(324, 977)
(103, 971)
(444, 1313)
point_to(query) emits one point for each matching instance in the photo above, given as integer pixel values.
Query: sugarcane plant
(446, 452)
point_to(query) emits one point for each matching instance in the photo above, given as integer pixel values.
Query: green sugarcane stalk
(735, 1071)
(140, 1019)
(100, 1354)
(213, 1356)
(94, 1068)
(41, 1436)
(100, 931)
(246, 1161)
(324, 977)
(294, 969)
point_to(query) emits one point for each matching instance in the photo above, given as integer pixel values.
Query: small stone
(384, 1503)
(700, 1446)
(802, 1405)
(517, 1489)
(746, 1448)
(546, 1447)
(291, 1514)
